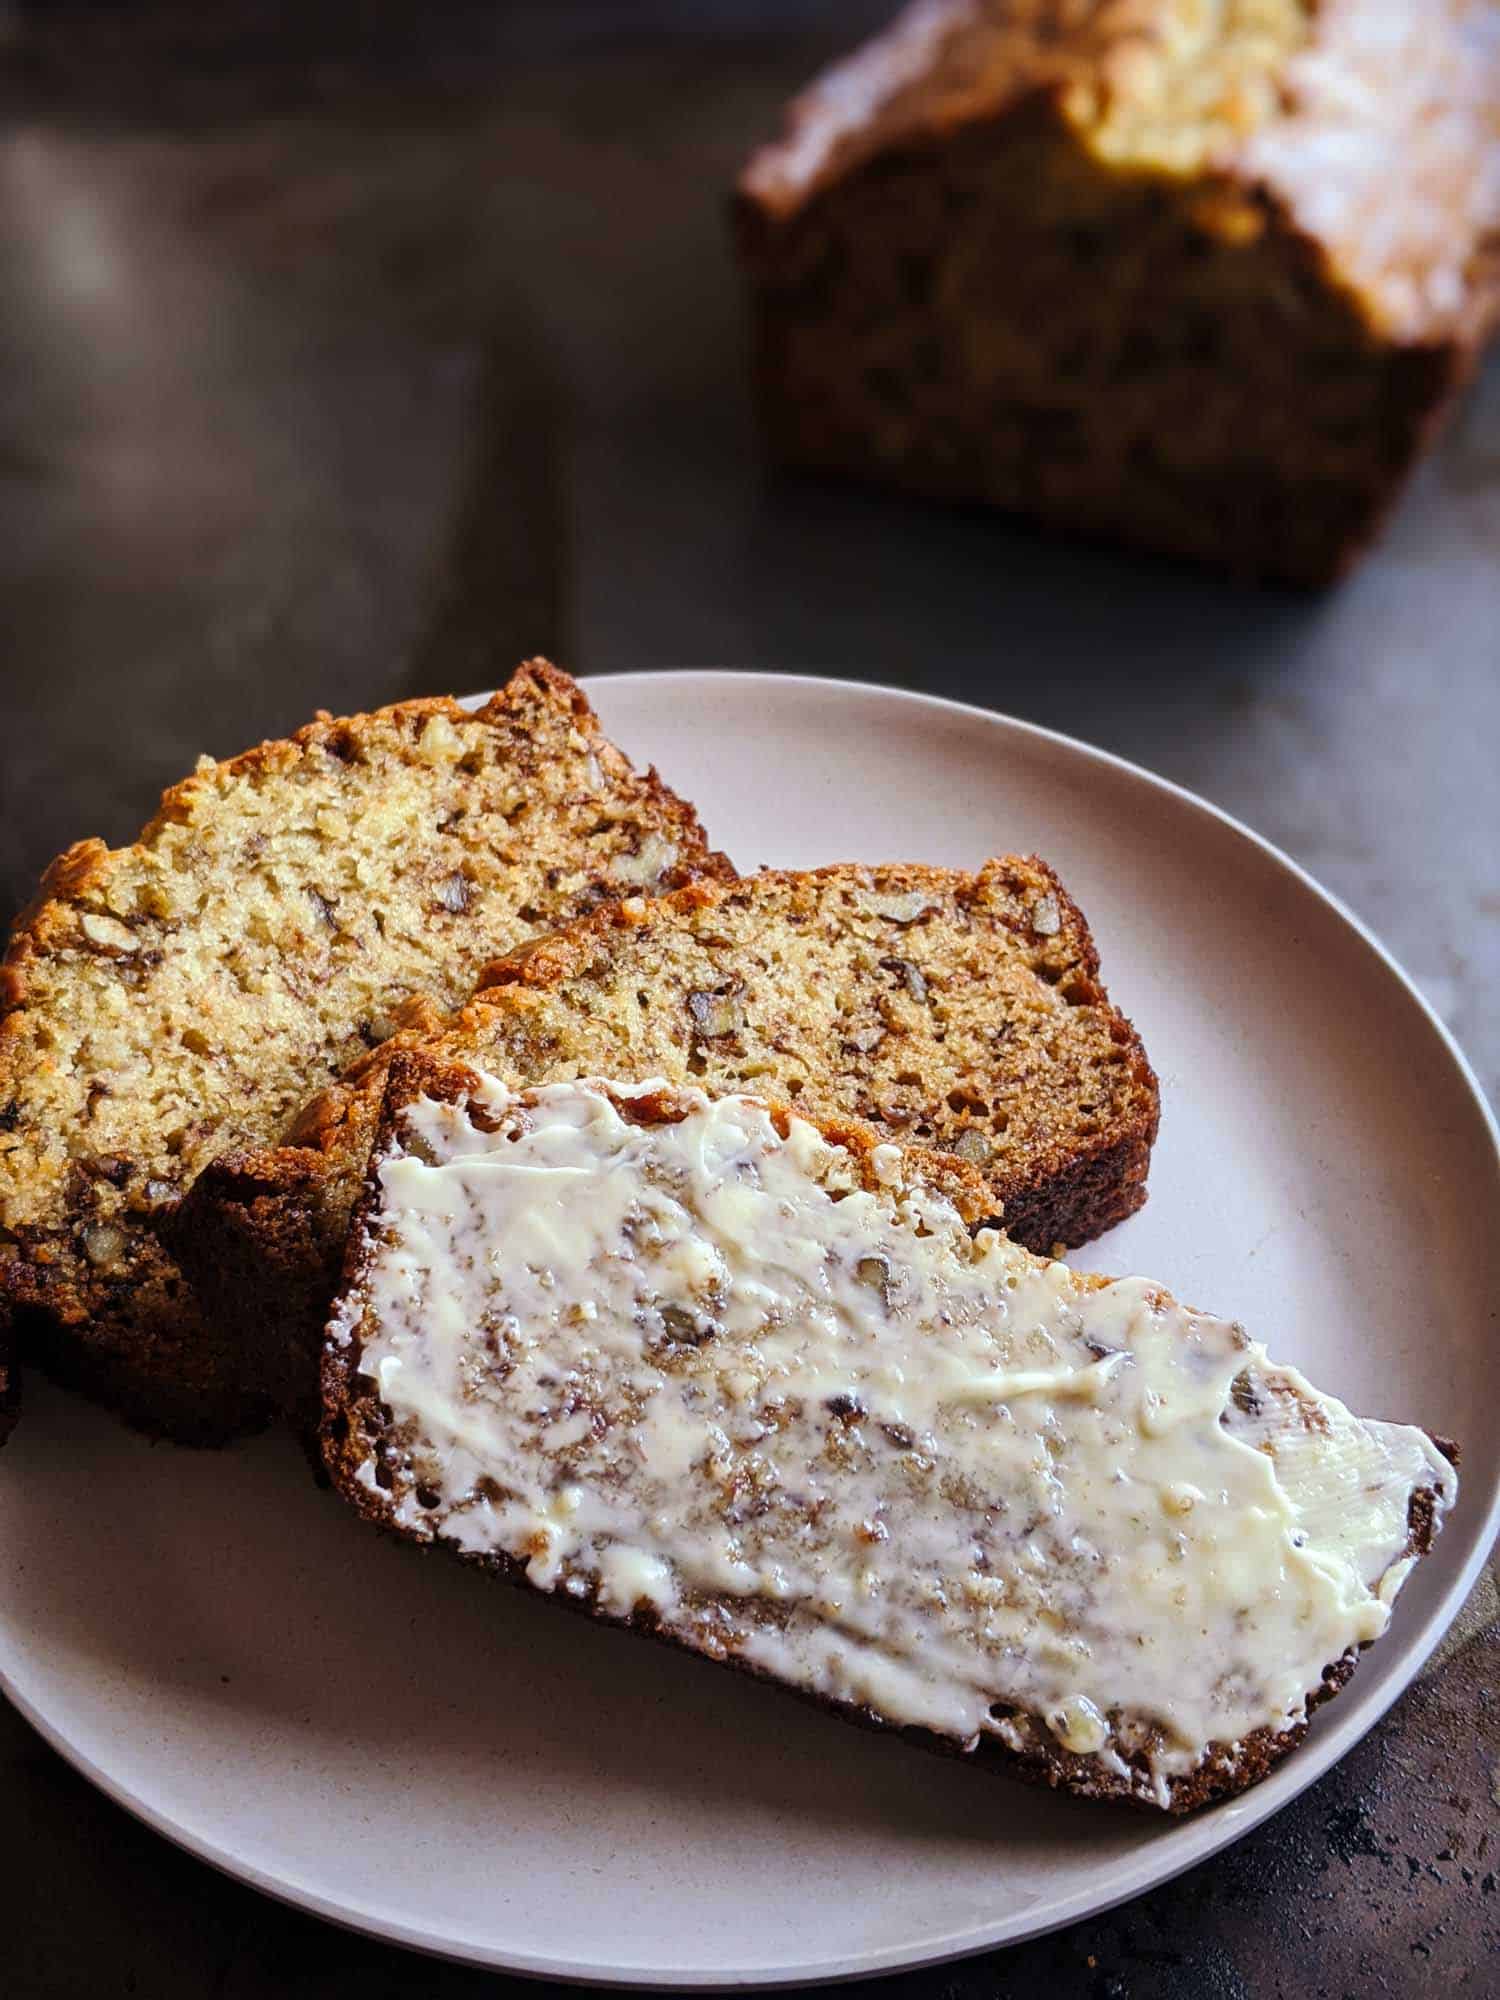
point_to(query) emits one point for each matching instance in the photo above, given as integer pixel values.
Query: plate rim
(1215, 1829)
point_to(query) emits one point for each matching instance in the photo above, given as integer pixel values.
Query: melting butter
(698, 1367)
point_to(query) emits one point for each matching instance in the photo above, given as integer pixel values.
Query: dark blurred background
(355, 352)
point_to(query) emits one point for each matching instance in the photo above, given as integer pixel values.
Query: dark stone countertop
(352, 353)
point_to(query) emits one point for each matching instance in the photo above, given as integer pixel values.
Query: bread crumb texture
(953, 1011)
(283, 911)
(959, 1012)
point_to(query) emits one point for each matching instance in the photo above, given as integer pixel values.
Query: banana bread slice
(281, 913)
(959, 1011)
(694, 1365)
(1199, 279)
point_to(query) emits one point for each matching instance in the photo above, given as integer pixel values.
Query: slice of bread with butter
(696, 1365)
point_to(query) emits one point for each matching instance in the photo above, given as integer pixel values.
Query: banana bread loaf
(282, 912)
(1195, 277)
(957, 1011)
(692, 1365)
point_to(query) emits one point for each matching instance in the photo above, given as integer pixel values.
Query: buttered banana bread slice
(693, 1365)
(954, 1010)
(282, 912)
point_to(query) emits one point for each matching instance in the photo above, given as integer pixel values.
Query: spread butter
(699, 1370)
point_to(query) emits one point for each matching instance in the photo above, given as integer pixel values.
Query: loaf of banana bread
(282, 912)
(957, 1011)
(694, 1365)
(1195, 277)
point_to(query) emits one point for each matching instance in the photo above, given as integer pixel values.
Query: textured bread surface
(963, 1012)
(358, 1434)
(1195, 278)
(283, 912)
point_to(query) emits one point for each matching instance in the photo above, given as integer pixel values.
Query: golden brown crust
(1143, 280)
(279, 912)
(353, 1421)
(1309, 102)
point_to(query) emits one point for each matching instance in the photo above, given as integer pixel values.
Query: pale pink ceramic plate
(396, 1745)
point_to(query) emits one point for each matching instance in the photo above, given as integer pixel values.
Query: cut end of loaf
(1202, 287)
